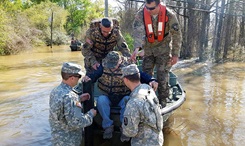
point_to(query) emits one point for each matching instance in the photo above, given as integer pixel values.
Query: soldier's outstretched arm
(146, 78)
(75, 118)
(176, 35)
(139, 30)
(95, 74)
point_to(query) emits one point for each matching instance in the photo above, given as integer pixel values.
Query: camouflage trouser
(162, 71)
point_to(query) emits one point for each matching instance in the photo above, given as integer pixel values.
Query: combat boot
(124, 137)
(108, 132)
(163, 102)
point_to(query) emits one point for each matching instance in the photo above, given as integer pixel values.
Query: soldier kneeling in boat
(115, 92)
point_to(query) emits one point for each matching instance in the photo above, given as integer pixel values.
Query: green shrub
(58, 38)
(130, 41)
(3, 34)
(40, 18)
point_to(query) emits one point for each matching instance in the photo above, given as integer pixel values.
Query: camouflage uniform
(65, 116)
(158, 53)
(97, 46)
(142, 119)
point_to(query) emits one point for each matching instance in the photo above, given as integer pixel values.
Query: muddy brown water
(212, 115)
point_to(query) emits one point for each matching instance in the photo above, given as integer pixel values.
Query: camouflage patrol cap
(129, 70)
(111, 60)
(71, 68)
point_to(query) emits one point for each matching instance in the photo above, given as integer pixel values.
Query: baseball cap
(72, 68)
(129, 70)
(111, 60)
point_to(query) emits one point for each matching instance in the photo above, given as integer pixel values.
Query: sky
(113, 3)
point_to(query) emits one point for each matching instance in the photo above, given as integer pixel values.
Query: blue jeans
(103, 106)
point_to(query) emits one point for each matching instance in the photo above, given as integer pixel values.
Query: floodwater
(212, 114)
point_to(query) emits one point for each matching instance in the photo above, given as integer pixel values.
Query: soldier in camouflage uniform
(142, 117)
(115, 93)
(102, 37)
(160, 40)
(65, 116)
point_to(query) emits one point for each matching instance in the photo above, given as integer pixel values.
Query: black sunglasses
(150, 8)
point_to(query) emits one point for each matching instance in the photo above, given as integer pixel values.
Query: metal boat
(75, 45)
(93, 133)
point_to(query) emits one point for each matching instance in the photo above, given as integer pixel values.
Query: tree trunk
(242, 29)
(203, 35)
(227, 31)
(184, 51)
(191, 30)
(218, 35)
(215, 31)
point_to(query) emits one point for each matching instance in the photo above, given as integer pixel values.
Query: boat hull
(174, 101)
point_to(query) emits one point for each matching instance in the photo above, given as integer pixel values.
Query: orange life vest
(162, 19)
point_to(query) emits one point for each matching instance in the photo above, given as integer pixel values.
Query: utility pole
(52, 18)
(106, 8)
